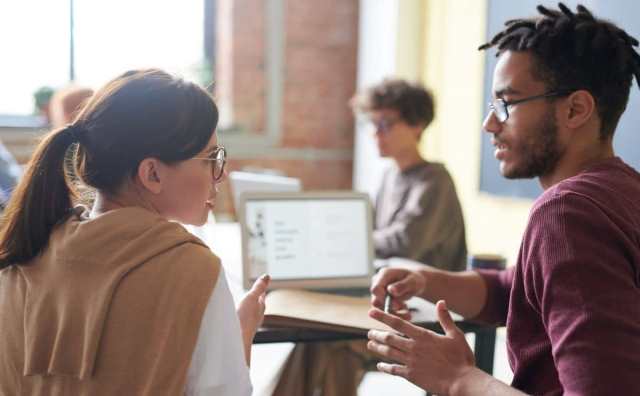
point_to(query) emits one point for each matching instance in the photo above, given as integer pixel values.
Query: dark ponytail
(140, 114)
(41, 199)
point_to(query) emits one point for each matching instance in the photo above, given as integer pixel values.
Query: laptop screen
(244, 182)
(320, 240)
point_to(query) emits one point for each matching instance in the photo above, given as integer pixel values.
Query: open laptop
(311, 240)
(244, 182)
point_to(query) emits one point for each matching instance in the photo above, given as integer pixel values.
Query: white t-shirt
(218, 365)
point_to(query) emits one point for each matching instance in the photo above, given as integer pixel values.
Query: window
(108, 38)
(35, 46)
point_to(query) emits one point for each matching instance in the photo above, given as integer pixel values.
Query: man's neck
(408, 160)
(573, 163)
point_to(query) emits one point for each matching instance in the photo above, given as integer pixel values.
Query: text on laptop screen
(301, 239)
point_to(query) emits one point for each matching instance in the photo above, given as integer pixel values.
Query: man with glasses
(417, 211)
(571, 304)
(417, 216)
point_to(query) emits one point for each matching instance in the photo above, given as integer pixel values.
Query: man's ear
(417, 131)
(150, 175)
(581, 106)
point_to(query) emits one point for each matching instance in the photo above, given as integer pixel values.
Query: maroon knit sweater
(572, 302)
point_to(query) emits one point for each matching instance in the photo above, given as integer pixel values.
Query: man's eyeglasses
(500, 107)
(218, 157)
(384, 125)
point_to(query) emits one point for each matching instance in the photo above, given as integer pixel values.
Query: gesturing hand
(251, 309)
(429, 360)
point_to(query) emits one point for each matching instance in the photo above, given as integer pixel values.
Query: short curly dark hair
(573, 51)
(411, 100)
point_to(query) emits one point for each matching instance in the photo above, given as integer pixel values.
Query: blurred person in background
(417, 211)
(66, 103)
(10, 172)
(417, 216)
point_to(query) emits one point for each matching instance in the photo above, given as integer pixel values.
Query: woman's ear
(581, 107)
(150, 175)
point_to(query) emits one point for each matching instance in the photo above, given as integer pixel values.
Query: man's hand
(401, 283)
(429, 360)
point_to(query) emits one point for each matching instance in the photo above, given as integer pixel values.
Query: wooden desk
(224, 240)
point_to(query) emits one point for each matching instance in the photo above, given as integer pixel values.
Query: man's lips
(501, 149)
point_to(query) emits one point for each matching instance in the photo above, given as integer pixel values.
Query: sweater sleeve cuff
(498, 283)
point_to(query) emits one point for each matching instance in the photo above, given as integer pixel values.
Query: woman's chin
(202, 220)
(209, 206)
(197, 221)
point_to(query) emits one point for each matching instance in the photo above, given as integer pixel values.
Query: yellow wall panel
(452, 67)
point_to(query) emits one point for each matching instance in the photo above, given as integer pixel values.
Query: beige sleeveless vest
(112, 307)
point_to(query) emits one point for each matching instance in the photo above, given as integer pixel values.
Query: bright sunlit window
(109, 38)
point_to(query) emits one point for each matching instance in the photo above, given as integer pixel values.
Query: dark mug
(486, 261)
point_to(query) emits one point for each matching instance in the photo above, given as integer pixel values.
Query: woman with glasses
(120, 298)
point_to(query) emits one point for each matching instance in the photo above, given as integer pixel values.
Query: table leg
(485, 346)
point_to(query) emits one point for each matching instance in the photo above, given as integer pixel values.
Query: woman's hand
(251, 312)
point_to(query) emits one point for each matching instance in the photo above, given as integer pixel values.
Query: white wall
(376, 60)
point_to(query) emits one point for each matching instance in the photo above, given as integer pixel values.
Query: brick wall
(319, 77)
(315, 142)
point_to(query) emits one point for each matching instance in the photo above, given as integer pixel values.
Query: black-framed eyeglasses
(218, 157)
(384, 125)
(500, 107)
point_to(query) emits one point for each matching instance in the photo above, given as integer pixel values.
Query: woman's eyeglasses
(218, 157)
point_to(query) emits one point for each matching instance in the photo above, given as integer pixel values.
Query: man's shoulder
(605, 200)
(431, 171)
(435, 167)
(609, 184)
(558, 202)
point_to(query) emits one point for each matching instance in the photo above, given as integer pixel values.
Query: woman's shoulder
(193, 256)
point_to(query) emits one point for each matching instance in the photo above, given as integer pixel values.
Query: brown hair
(412, 101)
(140, 114)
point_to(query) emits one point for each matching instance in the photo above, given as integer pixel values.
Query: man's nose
(491, 123)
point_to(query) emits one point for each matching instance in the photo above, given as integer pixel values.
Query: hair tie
(74, 132)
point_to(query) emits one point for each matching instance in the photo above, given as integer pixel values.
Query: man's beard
(540, 154)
